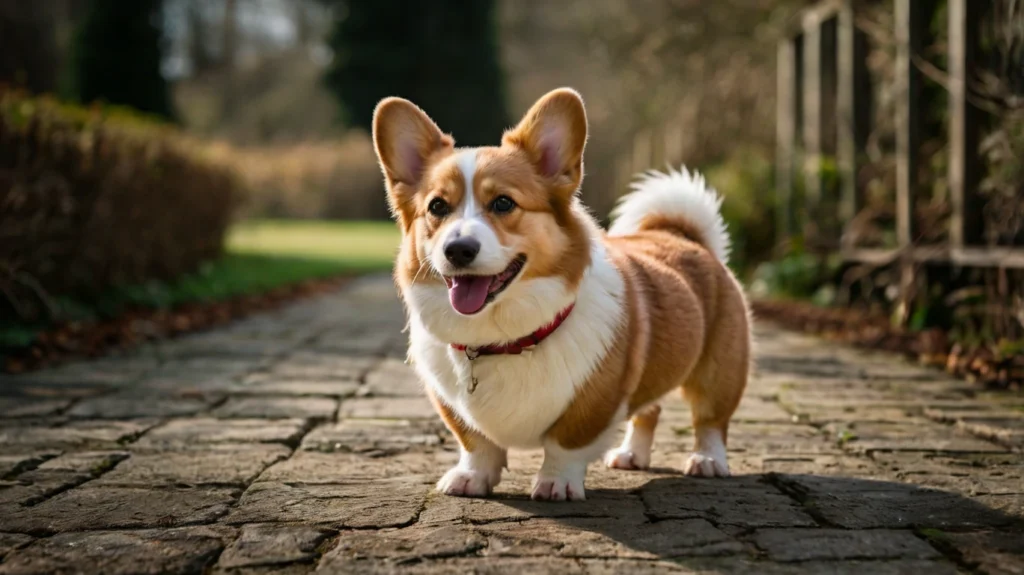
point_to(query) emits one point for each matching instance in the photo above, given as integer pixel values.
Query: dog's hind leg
(714, 390)
(635, 451)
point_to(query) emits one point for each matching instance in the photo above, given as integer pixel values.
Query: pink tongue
(468, 294)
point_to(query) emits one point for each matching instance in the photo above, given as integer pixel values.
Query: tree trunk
(228, 56)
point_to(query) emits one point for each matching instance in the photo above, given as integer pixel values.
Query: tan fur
(693, 329)
(647, 419)
(616, 378)
(467, 437)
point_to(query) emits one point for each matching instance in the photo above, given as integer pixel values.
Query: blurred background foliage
(281, 91)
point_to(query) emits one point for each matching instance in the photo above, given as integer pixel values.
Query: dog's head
(492, 240)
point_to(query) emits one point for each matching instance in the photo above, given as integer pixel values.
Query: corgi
(532, 327)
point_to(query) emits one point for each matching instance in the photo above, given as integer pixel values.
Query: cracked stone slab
(312, 467)
(790, 545)
(860, 504)
(720, 565)
(278, 408)
(756, 410)
(11, 541)
(517, 506)
(16, 407)
(1007, 506)
(604, 537)
(218, 346)
(475, 566)
(73, 378)
(356, 506)
(1007, 430)
(77, 462)
(968, 474)
(290, 569)
(387, 408)
(374, 342)
(114, 407)
(266, 384)
(743, 502)
(410, 543)
(835, 465)
(767, 439)
(89, 508)
(911, 435)
(14, 494)
(207, 389)
(215, 464)
(325, 365)
(188, 550)
(825, 414)
(269, 545)
(12, 465)
(374, 435)
(74, 435)
(58, 475)
(987, 551)
(393, 378)
(184, 432)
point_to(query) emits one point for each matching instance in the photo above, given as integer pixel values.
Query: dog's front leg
(478, 470)
(561, 476)
(570, 446)
(480, 460)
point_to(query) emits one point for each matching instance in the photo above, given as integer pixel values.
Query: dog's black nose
(461, 251)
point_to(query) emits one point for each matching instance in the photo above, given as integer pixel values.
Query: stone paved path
(299, 441)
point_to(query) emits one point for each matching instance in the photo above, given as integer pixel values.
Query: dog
(532, 327)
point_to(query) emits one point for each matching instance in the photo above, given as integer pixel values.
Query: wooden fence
(823, 87)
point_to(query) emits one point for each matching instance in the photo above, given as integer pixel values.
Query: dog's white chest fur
(518, 397)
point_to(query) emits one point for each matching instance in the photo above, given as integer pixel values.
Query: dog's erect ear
(554, 133)
(405, 138)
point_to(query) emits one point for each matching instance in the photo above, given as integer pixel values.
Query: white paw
(620, 458)
(462, 482)
(557, 489)
(703, 465)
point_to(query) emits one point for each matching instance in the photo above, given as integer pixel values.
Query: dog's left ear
(554, 133)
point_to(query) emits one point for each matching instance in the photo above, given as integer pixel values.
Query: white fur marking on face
(469, 222)
(466, 161)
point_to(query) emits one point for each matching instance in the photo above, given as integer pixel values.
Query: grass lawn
(348, 246)
(261, 255)
(266, 254)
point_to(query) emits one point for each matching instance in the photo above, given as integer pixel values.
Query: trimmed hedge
(99, 197)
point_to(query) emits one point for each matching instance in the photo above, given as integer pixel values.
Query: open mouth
(470, 294)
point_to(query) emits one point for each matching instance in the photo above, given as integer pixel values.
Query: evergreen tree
(116, 56)
(441, 54)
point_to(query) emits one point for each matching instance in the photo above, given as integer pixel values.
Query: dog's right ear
(405, 138)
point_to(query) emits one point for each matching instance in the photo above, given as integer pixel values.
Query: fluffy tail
(679, 198)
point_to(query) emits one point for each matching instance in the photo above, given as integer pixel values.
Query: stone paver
(278, 408)
(187, 550)
(299, 441)
(262, 545)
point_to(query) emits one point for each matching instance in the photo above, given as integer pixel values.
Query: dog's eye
(438, 207)
(502, 205)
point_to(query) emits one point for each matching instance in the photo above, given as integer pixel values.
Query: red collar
(516, 347)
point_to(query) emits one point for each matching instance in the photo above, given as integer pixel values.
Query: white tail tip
(675, 194)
